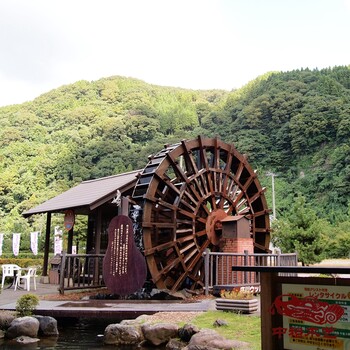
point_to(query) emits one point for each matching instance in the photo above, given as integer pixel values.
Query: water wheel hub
(213, 225)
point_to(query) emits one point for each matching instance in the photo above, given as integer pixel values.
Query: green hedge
(26, 262)
(22, 255)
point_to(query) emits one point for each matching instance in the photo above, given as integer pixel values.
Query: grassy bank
(239, 327)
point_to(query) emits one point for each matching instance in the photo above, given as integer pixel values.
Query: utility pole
(273, 193)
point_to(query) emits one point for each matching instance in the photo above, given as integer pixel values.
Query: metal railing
(219, 268)
(80, 271)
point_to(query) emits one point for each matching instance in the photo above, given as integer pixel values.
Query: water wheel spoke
(232, 190)
(249, 181)
(181, 231)
(187, 205)
(256, 196)
(260, 246)
(202, 154)
(209, 181)
(180, 280)
(198, 186)
(171, 225)
(170, 265)
(238, 199)
(201, 220)
(185, 239)
(201, 233)
(199, 255)
(191, 166)
(187, 213)
(190, 254)
(215, 180)
(181, 176)
(221, 182)
(168, 183)
(186, 196)
(216, 155)
(164, 246)
(243, 211)
(229, 158)
(261, 229)
(239, 172)
(259, 213)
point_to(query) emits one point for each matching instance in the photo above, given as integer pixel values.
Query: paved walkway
(118, 309)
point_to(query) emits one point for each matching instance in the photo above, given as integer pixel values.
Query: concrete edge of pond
(123, 309)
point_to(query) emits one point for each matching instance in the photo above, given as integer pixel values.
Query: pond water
(75, 334)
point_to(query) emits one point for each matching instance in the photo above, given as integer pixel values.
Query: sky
(195, 44)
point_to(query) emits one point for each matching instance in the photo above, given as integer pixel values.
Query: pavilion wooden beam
(47, 244)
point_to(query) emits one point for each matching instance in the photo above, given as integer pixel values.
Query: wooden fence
(84, 271)
(81, 271)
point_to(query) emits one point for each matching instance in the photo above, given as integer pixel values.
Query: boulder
(165, 294)
(187, 331)
(135, 322)
(26, 340)
(209, 339)
(175, 344)
(220, 323)
(118, 334)
(48, 325)
(2, 334)
(23, 326)
(6, 317)
(198, 347)
(160, 333)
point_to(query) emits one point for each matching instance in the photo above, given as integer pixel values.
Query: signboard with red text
(315, 317)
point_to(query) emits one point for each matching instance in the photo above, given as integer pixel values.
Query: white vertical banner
(1, 242)
(58, 241)
(34, 242)
(16, 238)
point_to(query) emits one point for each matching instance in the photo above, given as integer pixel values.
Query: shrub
(26, 304)
(237, 294)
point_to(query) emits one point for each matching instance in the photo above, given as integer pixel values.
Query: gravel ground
(171, 317)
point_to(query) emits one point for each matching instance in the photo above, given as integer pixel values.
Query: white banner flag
(34, 242)
(15, 243)
(58, 242)
(1, 242)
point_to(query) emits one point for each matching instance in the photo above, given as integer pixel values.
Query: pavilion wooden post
(98, 231)
(97, 244)
(70, 241)
(47, 244)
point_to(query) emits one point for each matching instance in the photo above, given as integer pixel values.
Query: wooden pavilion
(95, 198)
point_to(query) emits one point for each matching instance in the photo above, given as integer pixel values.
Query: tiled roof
(88, 194)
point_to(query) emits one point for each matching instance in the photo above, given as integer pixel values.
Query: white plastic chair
(8, 270)
(30, 273)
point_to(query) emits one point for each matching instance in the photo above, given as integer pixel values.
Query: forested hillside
(294, 124)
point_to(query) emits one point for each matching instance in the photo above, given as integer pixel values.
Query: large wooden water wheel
(184, 191)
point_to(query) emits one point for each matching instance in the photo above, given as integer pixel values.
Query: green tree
(301, 232)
